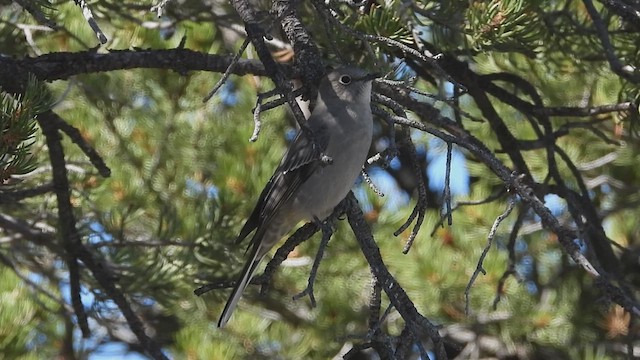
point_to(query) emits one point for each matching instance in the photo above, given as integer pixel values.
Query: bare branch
(492, 233)
(446, 196)
(491, 198)
(60, 66)
(398, 297)
(159, 7)
(511, 266)
(327, 231)
(66, 218)
(76, 250)
(586, 111)
(37, 14)
(229, 70)
(627, 72)
(372, 186)
(88, 15)
(10, 196)
(76, 137)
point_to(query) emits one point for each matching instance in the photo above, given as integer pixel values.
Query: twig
(627, 72)
(76, 250)
(369, 182)
(576, 111)
(260, 107)
(279, 101)
(37, 14)
(34, 235)
(257, 124)
(398, 297)
(37, 287)
(626, 11)
(590, 124)
(88, 15)
(229, 70)
(493, 197)
(301, 235)
(383, 157)
(492, 233)
(594, 164)
(159, 7)
(75, 136)
(66, 218)
(425, 56)
(511, 265)
(404, 84)
(62, 66)
(375, 300)
(326, 236)
(421, 204)
(256, 34)
(446, 196)
(10, 196)
(419, 211)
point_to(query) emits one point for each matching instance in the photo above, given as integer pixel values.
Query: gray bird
(303, 187)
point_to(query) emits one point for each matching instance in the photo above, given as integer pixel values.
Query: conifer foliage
(496, 216)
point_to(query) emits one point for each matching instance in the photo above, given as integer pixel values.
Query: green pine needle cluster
(18, 127)
(185, 177)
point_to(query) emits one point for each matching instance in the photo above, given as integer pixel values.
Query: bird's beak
(369, 77)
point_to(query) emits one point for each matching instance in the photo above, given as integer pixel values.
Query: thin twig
(75, 136)
(424, 56)
(229, 70)
(88, 15)
(260, 107)
(12, 196)
(627, 72)
(511, 265)
(492, 233)
(159, 7)
(576, 111)
(382, 157)
(627, 11)
(419, 210)
(421, 203)
(37, 14)
(257, 124)
(302, 234)
(493, 197)
(326, 236)
(446, 196)
(37, 287)
(369, 182)
(404, 84)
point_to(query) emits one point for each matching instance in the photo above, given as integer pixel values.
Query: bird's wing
(299, 162)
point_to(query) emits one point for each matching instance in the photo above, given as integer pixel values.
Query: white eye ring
(345, 80)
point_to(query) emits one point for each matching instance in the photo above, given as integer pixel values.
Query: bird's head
(347, 84)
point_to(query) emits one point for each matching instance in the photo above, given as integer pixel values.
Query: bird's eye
(345, 80)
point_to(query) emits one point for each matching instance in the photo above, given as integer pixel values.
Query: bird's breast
(348, 149)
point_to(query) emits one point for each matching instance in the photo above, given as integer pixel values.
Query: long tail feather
(243, 281)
